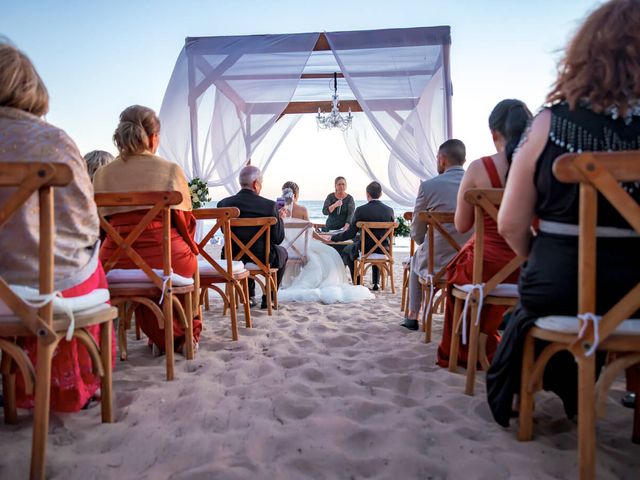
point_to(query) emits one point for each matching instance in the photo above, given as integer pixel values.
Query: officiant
(339, 207)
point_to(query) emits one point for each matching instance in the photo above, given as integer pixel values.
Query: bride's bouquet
(199, 192)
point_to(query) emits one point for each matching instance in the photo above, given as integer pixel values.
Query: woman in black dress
(594, 106)
(339, 206)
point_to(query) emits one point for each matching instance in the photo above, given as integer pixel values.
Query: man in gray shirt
(436, 194)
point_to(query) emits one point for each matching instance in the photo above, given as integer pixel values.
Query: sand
(313, 392)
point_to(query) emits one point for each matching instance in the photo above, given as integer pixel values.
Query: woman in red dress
(77, 270)
(507, 122)
(136, 169)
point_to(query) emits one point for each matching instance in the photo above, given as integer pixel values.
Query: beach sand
(313, 392)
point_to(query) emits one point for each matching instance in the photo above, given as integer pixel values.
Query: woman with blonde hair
(594, 105)
(27, 137)
(136, 169)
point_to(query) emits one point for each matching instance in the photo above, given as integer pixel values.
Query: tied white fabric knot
(480, 288)
(165, 280)
(586, 318)
(429, 278)
(43, 299)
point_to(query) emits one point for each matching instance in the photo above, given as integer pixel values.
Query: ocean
(314, 207)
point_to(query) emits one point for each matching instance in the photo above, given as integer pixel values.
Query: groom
(373, 211)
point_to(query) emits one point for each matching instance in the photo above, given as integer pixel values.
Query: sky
(97, 58)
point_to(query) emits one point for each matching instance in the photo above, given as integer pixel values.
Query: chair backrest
(378, 232)
(408, 216)
(600, 172)
(488, 201)
(263, 225)
(222, 217)
(296, 238)
(157, 203)
(26, 179)
(436, 222)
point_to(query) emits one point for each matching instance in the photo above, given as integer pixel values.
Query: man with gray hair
(252, 205)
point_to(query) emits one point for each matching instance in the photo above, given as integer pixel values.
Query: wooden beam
(322, 44)
(312, 107)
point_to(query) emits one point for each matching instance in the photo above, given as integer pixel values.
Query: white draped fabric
(224, 95)
(227, 96)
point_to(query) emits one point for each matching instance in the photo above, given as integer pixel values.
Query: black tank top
(577, 131)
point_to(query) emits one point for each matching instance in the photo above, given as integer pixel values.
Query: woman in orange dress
(137, 169)
(507, 122)
(77, 270)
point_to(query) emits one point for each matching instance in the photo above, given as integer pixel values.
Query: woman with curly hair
(593, 106)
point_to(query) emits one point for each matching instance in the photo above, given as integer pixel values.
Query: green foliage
(199, 192)
(403, 229)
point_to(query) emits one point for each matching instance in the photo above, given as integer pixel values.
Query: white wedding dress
(323, 278)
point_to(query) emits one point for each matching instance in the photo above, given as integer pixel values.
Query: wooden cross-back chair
(478, 292)
(378, 255)
(258, 267)
(297, 242)
(596, 173)
(435, 222)
(147, 291)
(214, 273)
(48, 328)
(406, 269)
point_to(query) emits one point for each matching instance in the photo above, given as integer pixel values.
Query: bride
(323, 277)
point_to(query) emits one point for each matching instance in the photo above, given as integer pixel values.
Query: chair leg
(106, 383)
(455, 335)
(393, 283)
(206, 300)
(188, 306)
(167, 308)
(247, 307)
(268, 294)
(525, 427)
(9, 390)
(41, 410)
(274, 289)
(231, 295)
(403, 298)
(138, 330)
(122, 332)
(586, 418)
(472, 355)
(225, 304)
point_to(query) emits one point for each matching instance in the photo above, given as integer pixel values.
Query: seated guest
(339, 206)
(438, 194)
(26, 137)
(373, 211)
(96, 159)
(507, 122)
(138, 169)
(604, 112)
(252, 205)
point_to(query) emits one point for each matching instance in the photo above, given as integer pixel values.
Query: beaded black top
(577, 131)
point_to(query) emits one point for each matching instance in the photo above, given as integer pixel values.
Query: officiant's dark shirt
(341, 215)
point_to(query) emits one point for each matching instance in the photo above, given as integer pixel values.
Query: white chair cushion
(82, 303)
(501, 290)
(375, 256)
(136, 277)
(568, 324)
(251, 266)
(207, 269)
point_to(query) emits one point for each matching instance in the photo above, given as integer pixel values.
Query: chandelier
(334, 119)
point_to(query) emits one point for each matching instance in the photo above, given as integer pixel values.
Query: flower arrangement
(199, 192)
(403, 229)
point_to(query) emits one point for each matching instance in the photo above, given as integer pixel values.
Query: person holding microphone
(339, 207)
